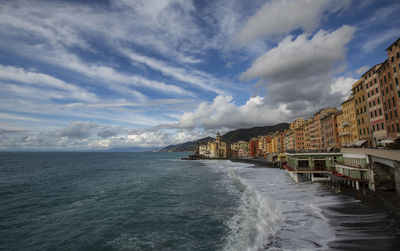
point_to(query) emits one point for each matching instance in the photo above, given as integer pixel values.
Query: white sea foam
(256, 220)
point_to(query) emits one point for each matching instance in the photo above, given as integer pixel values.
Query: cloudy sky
(142, 74)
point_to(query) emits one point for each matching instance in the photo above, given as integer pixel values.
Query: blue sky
(98, 75)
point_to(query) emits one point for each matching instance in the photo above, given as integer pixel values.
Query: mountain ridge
(232, 136)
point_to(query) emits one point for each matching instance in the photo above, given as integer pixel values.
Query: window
(392, 127)
(386, 116)
(377, 127)
(395, 113)
(365, 108)
(375, 113)
(398, 128)
(359, 100)
(380, 111)
(375, 80)
(362, 120)
(391, 87)
(373, 128)
(397, 81)
(372, 115)
(384, 105)
(376, 90)
(391, 115)
(360, 132)
(398, 93)
(394, 68)
(382, 126)
(369, 104)
(379, 101)
(373, 102)
(303, 163)
(356, 101)
(363, 98)
(364, 130)
(389, 103)
(368, 130)
(394, 103)
(359, 122)
(387, 90)
(368, 95)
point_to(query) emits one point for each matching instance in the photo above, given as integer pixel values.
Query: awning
(386, 141)
(360, 142)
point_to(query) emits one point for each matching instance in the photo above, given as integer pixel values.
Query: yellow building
(307, 142)
(347, 127)
(362, 113)
(297, 123)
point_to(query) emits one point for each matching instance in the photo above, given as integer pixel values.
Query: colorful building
(389, 80)
(375, 106)
(347, 128)
(362, 113)
(329, 131)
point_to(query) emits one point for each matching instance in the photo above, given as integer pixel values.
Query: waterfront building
(299, 138)
(316, 166)
(307, 143)
(375, 105)
(329, 130)
(362, 113)
(389, 80)
(253, 147)
(274, 143)
(216, 149)
(296, 124)
(315, 128)
(203, 150)
(281, 144)
(290, 140)
(348, 135)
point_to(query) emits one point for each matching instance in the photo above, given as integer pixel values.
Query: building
(375, 106)
(290, 140)
(315, 128)
(307, 142)
(362, 113)
(329, 131)
(253, 147)
(390, 90)
(347, 128)
(297, 123)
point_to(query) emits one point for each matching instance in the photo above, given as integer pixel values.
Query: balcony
(344, 134)
(345, 124)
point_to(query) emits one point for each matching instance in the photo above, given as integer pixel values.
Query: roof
(393, 43)
(377, 65)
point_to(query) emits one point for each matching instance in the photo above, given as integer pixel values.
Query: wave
(255, 223)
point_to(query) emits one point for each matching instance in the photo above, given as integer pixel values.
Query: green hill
(247, 134)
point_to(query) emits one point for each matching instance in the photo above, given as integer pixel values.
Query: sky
(142, 74)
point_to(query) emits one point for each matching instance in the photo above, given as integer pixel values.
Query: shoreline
(383, 201)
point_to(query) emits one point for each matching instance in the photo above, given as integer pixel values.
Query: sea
(155, 201)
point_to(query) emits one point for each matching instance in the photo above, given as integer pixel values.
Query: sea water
(155, 201)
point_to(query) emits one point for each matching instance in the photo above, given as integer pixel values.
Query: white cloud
(279, 17)
(360, 71)
(223, 113)
(46, 83)
(302, 57)
(343, 85)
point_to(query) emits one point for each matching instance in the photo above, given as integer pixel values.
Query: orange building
(253, 147)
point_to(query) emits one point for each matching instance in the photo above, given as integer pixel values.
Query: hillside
(247, 134)
(186, 147)
(229, 137)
